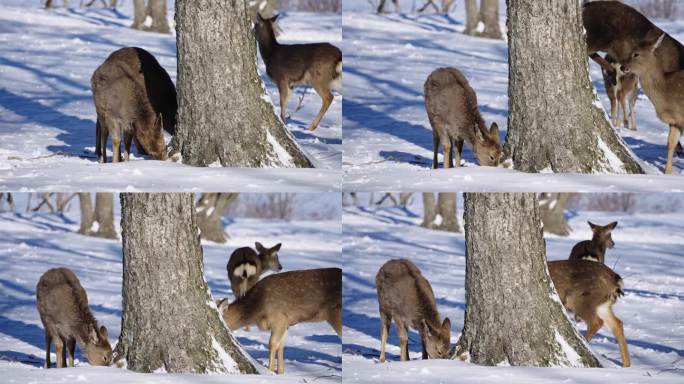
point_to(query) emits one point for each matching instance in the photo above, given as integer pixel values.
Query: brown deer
(595, 249)
(246, 266)
(318, 65)
(451, 106)
(284, 299)
(664, 89)
(63, 307)
(590, 290)
(406, 296)
(134, 98)
(621, 88)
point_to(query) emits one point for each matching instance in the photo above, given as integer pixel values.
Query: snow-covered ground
(32, 243)
(47, 117)
(649, 255)
(387, 135)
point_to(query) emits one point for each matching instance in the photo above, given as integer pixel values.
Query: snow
(227, 363)
(648, 255)
(47, 117)
(387, 136)
(31, 243)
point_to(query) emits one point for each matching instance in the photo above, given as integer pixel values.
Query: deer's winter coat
(595, 249)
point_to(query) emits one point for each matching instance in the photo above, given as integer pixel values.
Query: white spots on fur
(603, 311)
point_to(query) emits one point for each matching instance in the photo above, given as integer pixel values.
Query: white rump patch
(245, 269)
(336, 83)
(603, 311)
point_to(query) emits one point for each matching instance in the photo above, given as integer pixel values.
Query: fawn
(451, 106)
(284, 299)
(318, 65)
(134, 98)
(620, 87)
(63, 307)
(246, 266)
(590, 290)
(406, 296)
(663, 88)
(595, 249)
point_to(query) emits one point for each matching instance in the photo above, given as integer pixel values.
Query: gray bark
(511, 316)
(489, 11)
(555, 120)
(104, 215)
(87, 214)
(552, 212)
(472, 17)
(234, 124)
(209, 211)
(169, 320)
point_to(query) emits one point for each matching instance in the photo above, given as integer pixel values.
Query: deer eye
(636, 54)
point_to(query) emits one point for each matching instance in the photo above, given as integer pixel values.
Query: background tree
(552, 213)
(512, 313)
(98, 222)
(169, 319)
(440, 214)
(210, 209)
(234, 124)
(555, 119)
(156, 10)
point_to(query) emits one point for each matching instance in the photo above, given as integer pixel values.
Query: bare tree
(209, 210)
(440, 214)
(156, 10)
(234, 125)
(555, 122)
(169, 319)
(552, 212)
(513, 315)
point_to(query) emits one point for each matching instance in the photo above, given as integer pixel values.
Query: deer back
(585, 283)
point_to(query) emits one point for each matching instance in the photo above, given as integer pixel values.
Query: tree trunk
(404, 198)
(87, 218)
(513, 315)
(234, 125)
(552, 212)
(471, 17)
(104, 216)
(429, 210)
(209, 211)
(556, 121)
(139, 14)
(169, 319)
(446, 207)
(490, 16)
(157, 11)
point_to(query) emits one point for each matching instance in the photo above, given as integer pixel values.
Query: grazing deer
(406, 296)
(318, 65)
(246, 266)
(63, 307)
(620, 87)
(134, 98)
(451, 106)
(284, 299)
(589, 290)
(664, 89)
(595, 249)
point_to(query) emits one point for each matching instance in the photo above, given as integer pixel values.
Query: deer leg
(281, 353)
(623, 104)
(284, 92)
(594, 323)
(59, 351)
(446, 151)
(48, 344)
(102, 135)
(632, 102)
(605, 312)
(273, 345)
(435, 149)
(451, 153)
(71, 349)
(98, 132)
(128, 138)
(335, 321)
(327, 98)
(672, 141)
(385, 322)
(459, 150)
(613, 111)
(422, 343)
(403, 339)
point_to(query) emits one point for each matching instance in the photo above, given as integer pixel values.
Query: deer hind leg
(459, 151)
(613, 110)
(594, 323)
(98, 132)
(435, 149)
(605, 312)
(672, 141)
(284, 92)
(48, 344)
(281, 354)
(623, 105)
(403, 339)
(277, 335)
(385, 322)
(128, 138)
(632, 103)
(327, 98)
(59, 351)
(102, 133)
(71, 350)
(335, 321)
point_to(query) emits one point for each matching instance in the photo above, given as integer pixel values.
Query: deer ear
(93, 336)
(494, 132)
(426, 327)
(446, 324)
(103, 332)
(274, 18)
(658, 42)
(592, 225)
(259, 17)
(611, 226)
(260, 248)
(277, 247)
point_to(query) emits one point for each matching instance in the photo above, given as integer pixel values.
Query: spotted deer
(318, 65)
(406, 297)
(590, 290)
(595, 249)
(622, 88)
(451, 106)
(282, 300)
(134, 99)
(63, 307)
(246, 266)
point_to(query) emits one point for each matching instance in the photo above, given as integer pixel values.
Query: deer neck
(598, 246)
(427, 304)
(234, 315)
(654, 82)
(267, 43)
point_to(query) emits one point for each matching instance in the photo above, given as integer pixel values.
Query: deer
(595, 249)
(451, 106)
(589, 290)
(245, 266)
(318, 65)
(621, 88)
(282, 300)
(63, 307)
(406, 297)
(134, 99)
(663, 88)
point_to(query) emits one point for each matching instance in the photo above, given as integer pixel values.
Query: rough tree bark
(235, 124)
(556, 121)
(209, 210)
(513, 315)
(440, 214)
(87, 216)
(552, 212)
(169, 319)
(104, 215)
